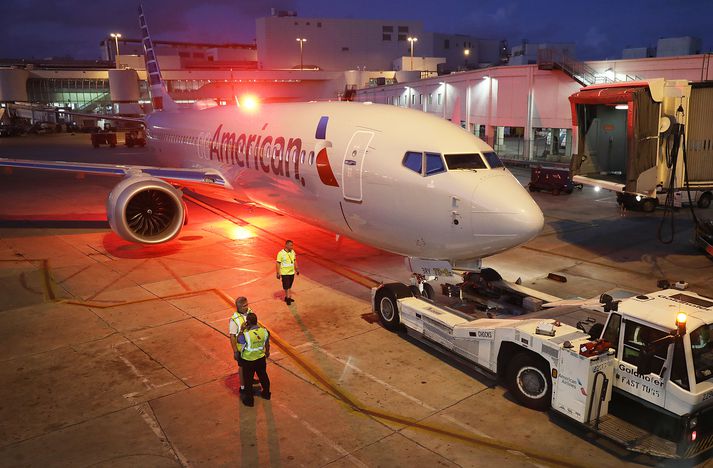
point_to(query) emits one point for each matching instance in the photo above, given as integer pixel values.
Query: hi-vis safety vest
(255, 341)
(287, 262)
(239, 318)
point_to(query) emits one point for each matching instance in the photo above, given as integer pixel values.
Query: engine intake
(146, 210)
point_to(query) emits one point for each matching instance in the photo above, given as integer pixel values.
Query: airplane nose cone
(504, 214)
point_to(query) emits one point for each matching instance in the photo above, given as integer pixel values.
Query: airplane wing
(207, 181)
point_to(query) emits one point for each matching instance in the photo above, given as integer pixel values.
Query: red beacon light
(681, 323)
(249, 102)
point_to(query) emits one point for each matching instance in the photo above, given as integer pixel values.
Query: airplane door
(352, 169)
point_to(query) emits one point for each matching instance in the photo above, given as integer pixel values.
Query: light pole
(466, 52)
(116, 37)
(301, 40)
(412, 40)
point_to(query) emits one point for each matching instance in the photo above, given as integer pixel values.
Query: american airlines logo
(277, 155)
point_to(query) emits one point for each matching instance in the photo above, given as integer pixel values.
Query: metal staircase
(552, 59)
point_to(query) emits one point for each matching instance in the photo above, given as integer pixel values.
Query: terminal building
(517, 100)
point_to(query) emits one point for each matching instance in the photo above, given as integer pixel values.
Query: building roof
(206, 45)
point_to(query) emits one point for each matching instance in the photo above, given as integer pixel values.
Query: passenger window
(679, 371)
(311, 158)
(413, 161)
(636, 337)
(434, 164)
(611, 334)
(302, 157)
(493, 160)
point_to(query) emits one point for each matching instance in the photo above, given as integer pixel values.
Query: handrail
(548, 59)
(602, 397)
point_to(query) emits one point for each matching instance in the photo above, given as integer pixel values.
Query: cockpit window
(702, 351)
(465, 161)
(434, 164)
(493, 159)
(413, 161)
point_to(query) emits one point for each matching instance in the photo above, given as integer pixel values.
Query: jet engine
(146, 210)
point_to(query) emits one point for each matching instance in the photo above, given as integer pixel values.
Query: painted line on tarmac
(150, 419)
(584, 260)
(342, 395)
(115, 280)
(348, 364)
(44, 268)
(410, 422)
(337, 448)
(336, 268)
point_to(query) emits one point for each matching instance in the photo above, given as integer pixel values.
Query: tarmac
(115, 354)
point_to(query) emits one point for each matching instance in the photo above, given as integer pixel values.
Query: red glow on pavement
(118, 247)
(240, 233)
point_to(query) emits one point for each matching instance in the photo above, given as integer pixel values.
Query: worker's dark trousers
(250, 368)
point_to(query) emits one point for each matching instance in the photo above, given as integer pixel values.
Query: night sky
(600, 29)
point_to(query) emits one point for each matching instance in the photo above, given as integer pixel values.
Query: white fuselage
(358, 185)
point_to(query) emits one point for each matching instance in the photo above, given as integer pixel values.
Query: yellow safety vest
(287, 262)
(239, 320)
(255, 341)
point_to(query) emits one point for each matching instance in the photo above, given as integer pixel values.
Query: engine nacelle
(146, 210)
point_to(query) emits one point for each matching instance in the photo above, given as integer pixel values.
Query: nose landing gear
(420, 286)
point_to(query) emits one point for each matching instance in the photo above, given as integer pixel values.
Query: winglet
(159, 93)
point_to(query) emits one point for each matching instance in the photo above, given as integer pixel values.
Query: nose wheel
(420, 286)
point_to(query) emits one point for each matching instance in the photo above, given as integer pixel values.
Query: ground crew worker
(255, 341)
(236, 323)
(286, 268)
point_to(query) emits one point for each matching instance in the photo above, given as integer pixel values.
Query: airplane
(400, 180)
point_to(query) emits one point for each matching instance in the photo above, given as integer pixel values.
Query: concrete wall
(674, 46)
(519, 96)
(124, 85)
(333, 44)
(429, 64)
(13, 84)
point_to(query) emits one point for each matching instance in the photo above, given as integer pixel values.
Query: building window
(386, 37)
(413, 99)
(307, 23)
(387, 29)
(439, 99)
(446, 44)
(403, 29)
(345, 49)
(319, 24)
(420, 99)
(636, 338)
(402, 37)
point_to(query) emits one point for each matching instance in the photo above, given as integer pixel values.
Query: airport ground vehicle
(103, 138)
(646, 140)
(9, 129)
(704, 237)
(551, 179)
(135, 138)
(641, 374)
